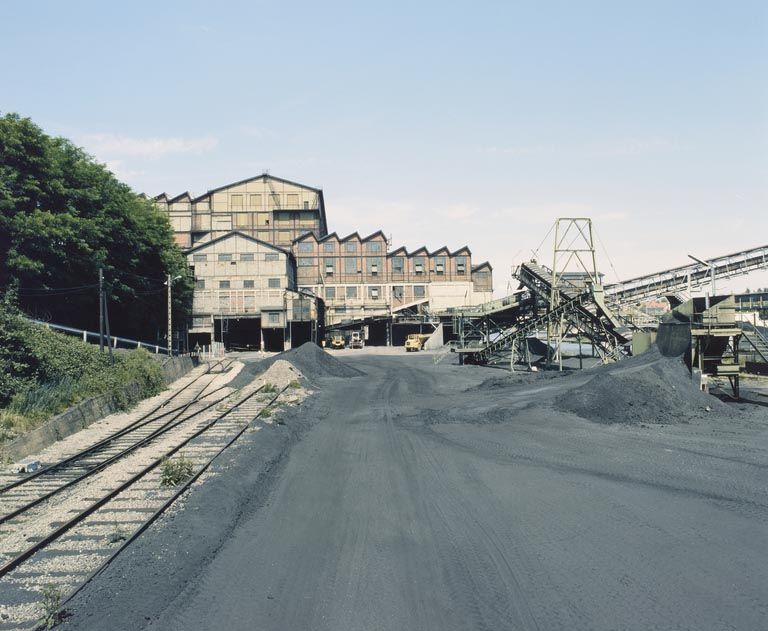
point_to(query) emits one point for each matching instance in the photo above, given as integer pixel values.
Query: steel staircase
(756, 340)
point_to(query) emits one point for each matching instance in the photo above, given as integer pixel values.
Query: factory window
(397, 292)
(199, 258)
(262, 219)
(292, 200)
(351, 292)
(273, 283)
(306, 261)
(419, 291)
(246, 256)
(274, 318)
(418, 264)
(201, 321)
(440, 264)
(461, 265)
(373, 293)
(223, 284)
(224, 257)
(328, 247)
(255, 200)
(242, 220)
(350, 246)
(329, 266)
(199, 283)
(481, 274)
(236, 201)
(248, 284)
(397, 264)
(330, 293)
(306, 205)
(340, 309)
(350, 265)
(271, 257)
(373, 246)
(305, 246)
(374, 265)
(283, 236)
(248, 302)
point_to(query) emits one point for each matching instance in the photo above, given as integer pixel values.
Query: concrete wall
(82, 415)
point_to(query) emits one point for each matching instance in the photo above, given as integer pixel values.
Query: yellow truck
(415, 342)
(337, 342)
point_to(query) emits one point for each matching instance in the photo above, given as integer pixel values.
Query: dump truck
(356, 340)
(415, 341)
(337, 342)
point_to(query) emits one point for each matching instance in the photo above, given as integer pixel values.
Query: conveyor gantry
(679, 279)
(581, 308)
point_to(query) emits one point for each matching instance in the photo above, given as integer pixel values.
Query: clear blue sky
(441, 123)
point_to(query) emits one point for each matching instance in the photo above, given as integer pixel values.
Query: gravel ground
(418, 498)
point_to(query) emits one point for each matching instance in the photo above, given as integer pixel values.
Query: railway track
(67, 521)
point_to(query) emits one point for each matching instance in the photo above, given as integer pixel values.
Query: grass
(294, 385)
(49, 607)
(174, 471)
(269, 388)
(43, 372)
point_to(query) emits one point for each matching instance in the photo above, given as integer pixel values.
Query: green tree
(62, 216)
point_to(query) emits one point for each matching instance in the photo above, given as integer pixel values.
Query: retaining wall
(83, 414)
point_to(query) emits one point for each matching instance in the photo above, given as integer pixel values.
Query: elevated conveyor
(679, 279)
(582, 309)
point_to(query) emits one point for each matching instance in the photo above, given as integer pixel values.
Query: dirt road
(411, 504)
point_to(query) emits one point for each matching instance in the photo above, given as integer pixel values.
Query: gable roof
(373, 235)
(481, 265)
(397, 251)
(462, 249)
(179, 197)
(237, 233)
(263, 176)
(439, 250)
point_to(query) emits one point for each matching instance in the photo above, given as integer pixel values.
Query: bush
(174, 471)
(43, 372)
(49, 607)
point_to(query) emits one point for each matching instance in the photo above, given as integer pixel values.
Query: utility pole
(170, 326)
(101, 310)
(106, 323)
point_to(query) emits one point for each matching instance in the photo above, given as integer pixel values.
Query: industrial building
(268, 274)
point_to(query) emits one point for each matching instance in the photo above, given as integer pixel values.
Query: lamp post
(169, 282)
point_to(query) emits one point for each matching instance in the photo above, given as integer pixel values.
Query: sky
(441, 123)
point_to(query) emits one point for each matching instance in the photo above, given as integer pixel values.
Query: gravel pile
(312, 361)
(649, 389)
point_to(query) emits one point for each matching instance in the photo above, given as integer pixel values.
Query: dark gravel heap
(649, 389)
(310, 360)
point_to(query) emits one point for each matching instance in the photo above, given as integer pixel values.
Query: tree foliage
(62, 216)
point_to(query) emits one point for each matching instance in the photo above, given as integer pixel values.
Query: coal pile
(647, 389)
(309, 359)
